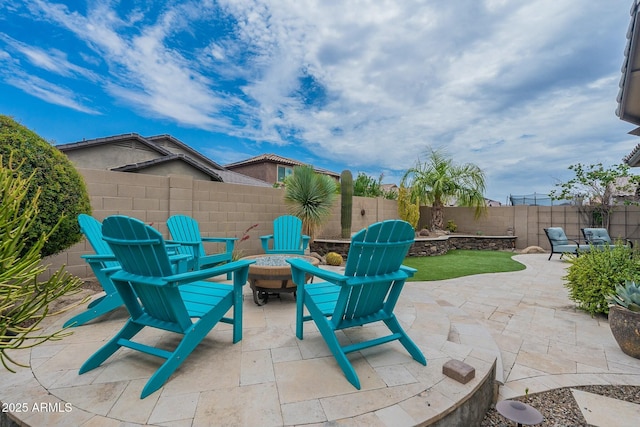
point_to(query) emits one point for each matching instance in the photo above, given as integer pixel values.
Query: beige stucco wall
(221, 209)
(227, 210)
(528, 222)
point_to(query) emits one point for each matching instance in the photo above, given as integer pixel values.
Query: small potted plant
(624, 317)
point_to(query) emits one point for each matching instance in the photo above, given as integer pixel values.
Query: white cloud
(501, 83)
(49, 92)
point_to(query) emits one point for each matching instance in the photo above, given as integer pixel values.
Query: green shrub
(593, 276)
(452, 226)
(63, 191)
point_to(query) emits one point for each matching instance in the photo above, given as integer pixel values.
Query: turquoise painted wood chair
(155, 297)
(366, 293)
(185, 232)
(103, 263)
(287, 237)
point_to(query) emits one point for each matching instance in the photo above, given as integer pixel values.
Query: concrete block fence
(227, 210)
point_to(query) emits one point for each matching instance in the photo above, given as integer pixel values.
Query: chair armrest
(230, 242)
(308, 268)
(265, 241)
(219, 239)
(596, 242)
(174, 258)
(400, 274)
(409, 270)
(96, 257)
(180, 243)
(305, 241)
(193, 276)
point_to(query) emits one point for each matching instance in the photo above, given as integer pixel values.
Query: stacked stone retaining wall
(427, 246)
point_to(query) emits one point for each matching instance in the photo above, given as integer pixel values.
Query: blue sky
(523, 89)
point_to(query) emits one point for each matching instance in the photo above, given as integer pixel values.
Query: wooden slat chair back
(366, 293)
(103, 263)
(185, 231)
(156, 297)
(287, 237)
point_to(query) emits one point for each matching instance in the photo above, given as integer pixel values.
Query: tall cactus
(346, 189)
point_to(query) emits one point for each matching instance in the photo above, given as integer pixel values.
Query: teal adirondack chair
(287, 237)
(103, 263)
(157, 298)
(367, 292)
(185, 232)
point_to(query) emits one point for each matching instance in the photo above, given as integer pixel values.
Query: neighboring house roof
(86, 143)
(274, 158)
(633, 158)
(190, 151)
(134, 167)
(169, 149)
(629, 94)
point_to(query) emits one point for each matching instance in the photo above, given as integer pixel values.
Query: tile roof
(629, 93)
(274, 158)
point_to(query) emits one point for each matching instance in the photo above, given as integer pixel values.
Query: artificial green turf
(460, 262)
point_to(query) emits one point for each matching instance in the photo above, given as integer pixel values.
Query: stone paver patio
(521, 321)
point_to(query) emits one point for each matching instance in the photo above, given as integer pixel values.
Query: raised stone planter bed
(427, 246)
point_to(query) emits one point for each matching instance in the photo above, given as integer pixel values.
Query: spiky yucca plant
(310, 197)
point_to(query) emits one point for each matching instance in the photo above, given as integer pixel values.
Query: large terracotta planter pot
(625, 327)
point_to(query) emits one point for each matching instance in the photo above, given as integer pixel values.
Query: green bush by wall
(64, 192)
(593, 276)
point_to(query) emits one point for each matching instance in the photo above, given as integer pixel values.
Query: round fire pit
(271, 274)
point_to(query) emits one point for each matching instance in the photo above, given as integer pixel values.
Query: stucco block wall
(528, 222)
(227, 210)
(221, 209)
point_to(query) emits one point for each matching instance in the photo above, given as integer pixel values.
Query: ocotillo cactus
(346, 189)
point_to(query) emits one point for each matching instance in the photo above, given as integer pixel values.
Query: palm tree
(439, 181)
(310, 197)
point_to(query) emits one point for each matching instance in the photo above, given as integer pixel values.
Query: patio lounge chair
(560, 243)
(287, 237)
(367, 293)
(185, 232)
(600, 237)
(103, 264)
(155, 297)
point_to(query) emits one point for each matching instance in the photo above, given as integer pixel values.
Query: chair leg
(97, 308)
(189, 342)
(331, 339)
(128, 330)
(329, 335)
(300, 315)
(395, 327)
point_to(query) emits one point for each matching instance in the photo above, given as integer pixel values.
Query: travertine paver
(272, 378)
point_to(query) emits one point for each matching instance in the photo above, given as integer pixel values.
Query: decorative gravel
(559, 408)
(274, 260)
